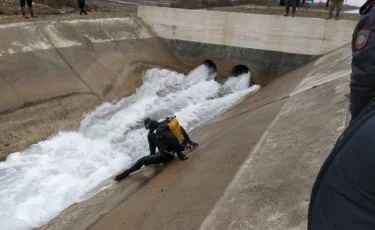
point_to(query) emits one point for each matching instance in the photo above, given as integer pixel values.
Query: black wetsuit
(167, 145)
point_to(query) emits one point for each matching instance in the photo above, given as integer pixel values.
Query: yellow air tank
(175, 128)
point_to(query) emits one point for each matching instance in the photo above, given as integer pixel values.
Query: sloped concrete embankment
(271, 190)
(267, 45)
(256, 164)
(51, 73)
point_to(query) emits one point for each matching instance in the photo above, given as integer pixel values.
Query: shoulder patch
(362, 39)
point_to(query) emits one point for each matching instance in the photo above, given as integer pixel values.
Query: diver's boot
(122, 175)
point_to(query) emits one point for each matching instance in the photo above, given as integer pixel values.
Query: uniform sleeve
(343, 196)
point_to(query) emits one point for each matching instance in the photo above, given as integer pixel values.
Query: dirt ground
(279, 10)
(10, 11)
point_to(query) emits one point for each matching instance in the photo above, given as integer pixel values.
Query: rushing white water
(38, 183)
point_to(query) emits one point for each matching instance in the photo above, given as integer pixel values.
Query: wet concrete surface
(272, 188)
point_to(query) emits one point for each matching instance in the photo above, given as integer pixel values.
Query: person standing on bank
(335, 4)
(293, 4)
(327, 4)
(23, 9)
(81, 4)
(343, 194)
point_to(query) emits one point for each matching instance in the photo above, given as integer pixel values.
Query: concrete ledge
(268, 45)
(308, 36)
(264, 65)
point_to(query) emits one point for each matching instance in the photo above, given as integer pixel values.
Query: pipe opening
(211, 65)
(239, 70)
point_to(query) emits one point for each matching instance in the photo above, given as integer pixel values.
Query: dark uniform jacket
(362, 84)
(343, 195)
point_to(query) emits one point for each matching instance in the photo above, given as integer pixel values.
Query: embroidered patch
(362, 39)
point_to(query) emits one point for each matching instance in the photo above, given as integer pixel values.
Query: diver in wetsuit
(165, 141)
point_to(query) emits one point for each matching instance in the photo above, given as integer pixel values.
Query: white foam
(38, 183)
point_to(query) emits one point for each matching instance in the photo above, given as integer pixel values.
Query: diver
(169, 137)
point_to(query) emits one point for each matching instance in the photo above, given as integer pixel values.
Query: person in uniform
(343, 195)
(362, 82)
(332, 5)
(30, 6)
(327, 4)
(169, 137)
(290, 3)
(81, 4)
